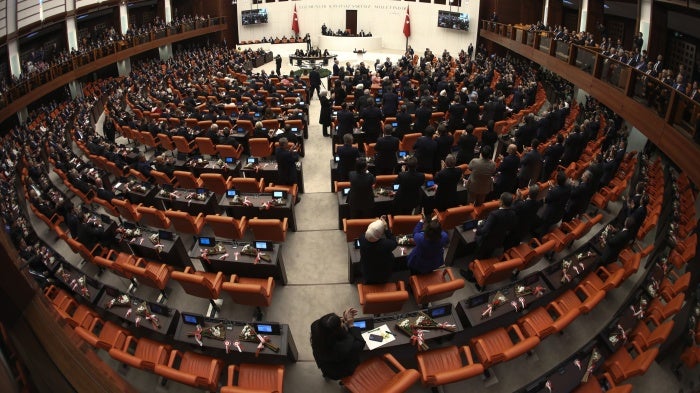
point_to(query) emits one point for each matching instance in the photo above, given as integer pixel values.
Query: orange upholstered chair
(543, 321)
(126, 209)
(182, 145)
(382, 298)
(200, 284)
(103, 334)
(489, 271)
(271, 229)
(530, 252)
(153, 217)
(152, 274)
(187, 180)
(215, 182)
(227, 227)
(253, 378)
(161, 178)
(141, 353)
(621, 365)
(355, 227)
(445, 365)
(455, 216)
(381, 374)
(184, 222)
(205, 146)
(260, 147)
(436, 285)
(497, 345)
(593, 385)
(248, 184)
(643, 338)
(403, 225)
(228, 151)
(196, 370)
(408, 141)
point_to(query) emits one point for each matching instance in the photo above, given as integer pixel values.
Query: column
(545, 15)
(13, 52)
(644, 20)
(583, 16)
(124, 66)
(166, 51)
(75, 87)
(123, 17)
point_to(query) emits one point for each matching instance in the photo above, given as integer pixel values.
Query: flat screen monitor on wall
(453, 20)
(254, 17)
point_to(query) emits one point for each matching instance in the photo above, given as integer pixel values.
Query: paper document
(382, 331)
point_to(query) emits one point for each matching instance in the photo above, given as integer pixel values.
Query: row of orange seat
(190, 368)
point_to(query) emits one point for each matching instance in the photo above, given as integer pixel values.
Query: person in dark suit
(403, 122)
(385, 152)
(526, 132)
(326, 109)
(314, 82)
(287, 158)
(530, 165)
(337, 344)
(371, 122)
(213, 133)
(544, 126)
(507, 172)
(489, 136)
(526, 213)
(554, 203)
(447, 180)
(390, 103)
(347, 157)
(408, 196)
(339, 93)
(227, 138)
(456, 111)
(492, 232)
(108, 129)
(444, 140)
(552, 155)
(572, 147)
(376, 252)
(471, 115)
(361, 195)
(614, 245)
(579, 199)
(466, 144)
(425, 149)
(346, 121)
(423, 115)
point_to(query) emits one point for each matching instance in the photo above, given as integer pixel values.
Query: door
(351, 21)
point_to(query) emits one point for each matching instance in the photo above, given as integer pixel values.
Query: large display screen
(453, 20)
(254, 17)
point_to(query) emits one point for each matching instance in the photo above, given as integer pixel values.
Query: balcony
(664, 115)
(40, 83)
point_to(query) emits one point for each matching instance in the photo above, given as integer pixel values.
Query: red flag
(295, 21)
(407, 25)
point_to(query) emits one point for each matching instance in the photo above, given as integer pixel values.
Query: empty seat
(621, 365)
(103, 334)
(141, 353)
(436, 285)
(643, 338)
(669, 289)
(216, 182)
(271, 229)
(182, 145)
(489, 271)
(254, 378)
(200, 284)
(227, 227)
(403, 225)
(530, 252)
(602, 279)
(192, 369)
(228, 151)
(408, 141)
(455, 216)
(248, 184)
(260, 147)
(498, 346)
(187, 180)
(658, 312)
(153, 217)
(382, 298)
(543, 321)
(445, 365)
(152, 274)
(161, 178)
(205, 146)
(127, 210)
(381, 374)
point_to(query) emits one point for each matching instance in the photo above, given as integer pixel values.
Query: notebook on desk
(165, 235)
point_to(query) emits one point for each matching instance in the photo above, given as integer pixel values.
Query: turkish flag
(407, 25)
(295, 21)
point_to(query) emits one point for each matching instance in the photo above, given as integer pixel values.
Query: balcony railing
(652, 106)
(39, 83)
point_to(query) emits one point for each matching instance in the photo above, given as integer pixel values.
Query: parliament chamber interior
(349, 196)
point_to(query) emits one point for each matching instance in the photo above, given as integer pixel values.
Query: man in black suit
(287, 158)
(507, 172)
(617, 242)
(447, 180)
(526, 212)
(489, 136)
(347, 157)
(213, 133)
(425, 149)
(314, 82)
(408, 196)
(572, 147)
(403, 122)
(530, 165)
(376, 252)
(346, 121)
(385, 152)
(456, 111)
(551, 157)
(526, 132)
(227, 138)
(466, 144)
(492, 232)
(579, 199)
(554, 203)
(423, 115)
(361, 195)
(390, 103)
(371, 122)
(471, 115)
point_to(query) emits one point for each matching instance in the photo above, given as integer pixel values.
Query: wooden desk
(199, 166)
(267, 169)
(461, 243)
(167, 317)
(281, 336)
(183, 199)
(173, 252)
(256, 209)
(138, 196)
(68, 275)
(244, 265)
(382, 205)
(553, 274)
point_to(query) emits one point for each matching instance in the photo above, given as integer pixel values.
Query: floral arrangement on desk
(129, 233)
(498, 300)
(415, 334)
(80, 285)
(216, 332)
(238, 200)
(249, 334)
(617, 334)
(135, 186)
(273, 203)
(122, 300)
(524, 290)
(406, 240)
(254, 252)
(168, 194)
(639, 312)
(569, 270)
(252, 165)
(143, 311)
(218, 249)
(383, 192)
(196, 162)
(606, 234)
(197, 197)
(595, 357)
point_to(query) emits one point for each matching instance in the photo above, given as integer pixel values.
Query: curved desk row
(348, 44)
